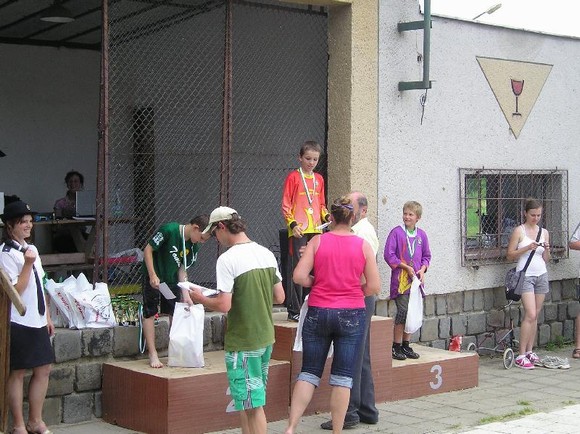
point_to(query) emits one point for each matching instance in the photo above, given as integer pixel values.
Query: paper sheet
(208, 292)
(164, 289)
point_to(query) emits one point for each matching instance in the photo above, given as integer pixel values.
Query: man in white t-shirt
(574, 244)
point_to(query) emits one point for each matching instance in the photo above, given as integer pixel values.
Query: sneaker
(409, 353)
(550, 362)
(348, 424)
(398, 354)
(533, 357)
(523, 362)
(564, 364)
(294, 318)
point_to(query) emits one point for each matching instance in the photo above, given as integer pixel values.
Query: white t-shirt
(366, 231)
(12, 261)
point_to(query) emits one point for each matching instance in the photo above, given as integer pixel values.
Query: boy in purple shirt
(407, 253)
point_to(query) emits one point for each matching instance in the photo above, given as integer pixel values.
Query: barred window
(492, 205)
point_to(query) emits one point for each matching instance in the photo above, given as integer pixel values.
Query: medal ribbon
(184, 251)
(306, 186)
(410, 247)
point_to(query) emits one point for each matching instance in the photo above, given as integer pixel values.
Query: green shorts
(248, 376)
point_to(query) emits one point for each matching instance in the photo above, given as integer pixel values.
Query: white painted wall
(49, 100)
(463, 127)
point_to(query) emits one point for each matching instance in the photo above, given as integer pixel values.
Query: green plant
(558, 343)
(524, 403)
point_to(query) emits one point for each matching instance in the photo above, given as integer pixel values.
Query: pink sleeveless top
(339, 263)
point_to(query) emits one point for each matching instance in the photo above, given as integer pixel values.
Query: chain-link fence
(492, 206)
(208, 103)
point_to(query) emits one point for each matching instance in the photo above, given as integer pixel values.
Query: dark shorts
(29, 347)
(154, 302)
(402, 303)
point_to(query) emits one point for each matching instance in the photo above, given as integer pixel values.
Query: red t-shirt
(295, 203)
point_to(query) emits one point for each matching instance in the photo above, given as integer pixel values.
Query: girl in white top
(535, 285)
(30, 346)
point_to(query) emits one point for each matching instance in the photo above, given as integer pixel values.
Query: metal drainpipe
(426, 43)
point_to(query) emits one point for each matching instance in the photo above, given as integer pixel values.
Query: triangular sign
(516, 86)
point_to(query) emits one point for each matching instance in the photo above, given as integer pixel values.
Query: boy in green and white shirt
(170, 251)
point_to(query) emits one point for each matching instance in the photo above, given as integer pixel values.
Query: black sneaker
(408, 351)
(294, 318)
(348, 424)
(398, 353)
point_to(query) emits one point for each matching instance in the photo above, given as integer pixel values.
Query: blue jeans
(345, 328)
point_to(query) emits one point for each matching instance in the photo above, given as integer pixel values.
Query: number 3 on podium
(438, 378)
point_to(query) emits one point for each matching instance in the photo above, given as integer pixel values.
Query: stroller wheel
(471, 347)
(508, 358)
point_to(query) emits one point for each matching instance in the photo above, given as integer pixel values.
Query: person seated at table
(62, 240)
(66, 206)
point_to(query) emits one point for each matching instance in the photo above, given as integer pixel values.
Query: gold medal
(310, 211)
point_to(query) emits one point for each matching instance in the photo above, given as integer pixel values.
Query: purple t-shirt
(398, 249)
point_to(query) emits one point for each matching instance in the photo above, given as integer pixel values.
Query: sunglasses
(212, 231)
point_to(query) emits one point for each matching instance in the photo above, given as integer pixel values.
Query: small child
(304, 210)
(170, 251)
(407, 253)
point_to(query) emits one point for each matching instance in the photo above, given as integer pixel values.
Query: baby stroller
(498, 341)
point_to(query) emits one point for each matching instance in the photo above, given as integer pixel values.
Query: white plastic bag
(298, 338)
(73, 288)
(59, 320)
(415, 310)
(97, 305)
(59, 296)
(186, 336)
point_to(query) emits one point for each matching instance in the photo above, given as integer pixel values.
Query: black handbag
(514, 279)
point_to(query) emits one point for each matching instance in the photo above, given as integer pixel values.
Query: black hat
(16, 209)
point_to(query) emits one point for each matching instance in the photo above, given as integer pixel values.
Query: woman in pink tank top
(345, 271)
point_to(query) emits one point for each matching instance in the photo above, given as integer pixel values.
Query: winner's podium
(182, 400)
(195, 400)
(436, 371)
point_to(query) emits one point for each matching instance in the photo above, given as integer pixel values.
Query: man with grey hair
(361, 406)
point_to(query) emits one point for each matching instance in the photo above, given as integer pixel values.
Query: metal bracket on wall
(425, 25)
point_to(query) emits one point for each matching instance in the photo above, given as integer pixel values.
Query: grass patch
(558, 343)
(524, 403)
(508, 416)
(456, 426)
(571, 402)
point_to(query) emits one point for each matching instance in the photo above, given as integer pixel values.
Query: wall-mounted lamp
(490, 11)
(57, 13)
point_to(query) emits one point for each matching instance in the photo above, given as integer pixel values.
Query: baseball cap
(219, 214)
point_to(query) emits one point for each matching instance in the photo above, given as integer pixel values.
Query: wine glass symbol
(517, 88)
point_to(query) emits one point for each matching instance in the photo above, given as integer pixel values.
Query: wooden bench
(67, 262)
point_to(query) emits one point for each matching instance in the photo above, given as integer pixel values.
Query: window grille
(492, 205)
